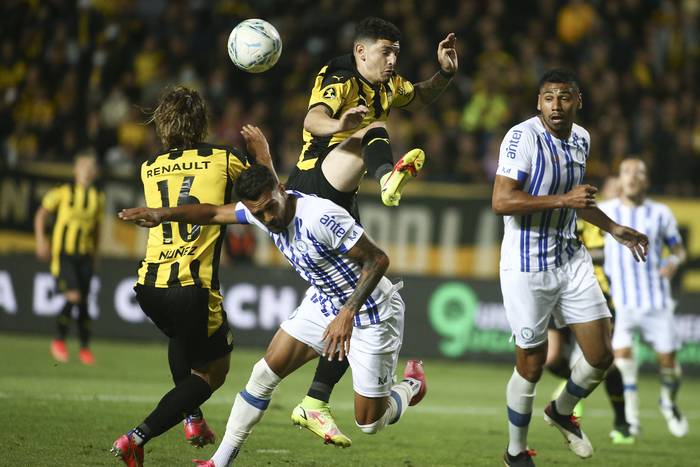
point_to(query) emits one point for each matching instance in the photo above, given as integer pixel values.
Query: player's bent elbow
(497, 206)
(383, 262)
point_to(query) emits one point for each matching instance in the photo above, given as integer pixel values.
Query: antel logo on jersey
(333, 226)
(513, 143)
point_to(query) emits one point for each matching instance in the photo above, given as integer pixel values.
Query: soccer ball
(254, 45)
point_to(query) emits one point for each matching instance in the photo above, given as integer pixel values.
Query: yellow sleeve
(53, 198)
(237, 163)
(591, 236)
(330, 90)
(404, 92)
(101, 202)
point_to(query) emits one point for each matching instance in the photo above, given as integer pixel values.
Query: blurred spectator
(77, 74)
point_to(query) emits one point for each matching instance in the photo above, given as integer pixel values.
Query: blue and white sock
(248, 409)
(628, 369)
(520, 395)
(583, 380)
(670, 383)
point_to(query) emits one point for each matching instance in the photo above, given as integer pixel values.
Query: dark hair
(253, 182)
(375, 29)
(559, 75)
(180, 118)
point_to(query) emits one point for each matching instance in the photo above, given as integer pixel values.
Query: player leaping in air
(345, 136)
(345, 127)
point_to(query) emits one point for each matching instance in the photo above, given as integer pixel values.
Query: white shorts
(374, 348)
(658, 328)
(570, 293)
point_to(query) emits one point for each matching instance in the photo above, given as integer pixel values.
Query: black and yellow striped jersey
(593, 239)
(79, 210)
(180, 254)
(339, 86)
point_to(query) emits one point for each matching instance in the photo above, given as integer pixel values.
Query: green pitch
(68, 414)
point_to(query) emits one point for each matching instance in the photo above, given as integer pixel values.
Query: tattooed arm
(374, 264)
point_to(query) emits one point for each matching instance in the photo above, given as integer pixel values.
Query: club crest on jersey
(329, 93)
(527, 334)
(301, 247)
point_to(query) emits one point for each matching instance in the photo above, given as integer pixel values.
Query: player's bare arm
(374, 264)
(510, 199)
(199, 214)
(319, 120)
(43, 245)
(635, 241)
(257, 145)
(428, 91)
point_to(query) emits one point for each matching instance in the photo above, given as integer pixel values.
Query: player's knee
(532, 374)
(218, 377)
(375, 125)
(559, 367)
(530, 370)
(602, 360)
(263, 380)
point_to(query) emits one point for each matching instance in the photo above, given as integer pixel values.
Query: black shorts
(182, 313)
(74, 273)
(313, 182)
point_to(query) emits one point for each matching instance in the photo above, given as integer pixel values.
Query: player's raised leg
(314, 411)
(284, 355)
(372, 414)
(369, 150)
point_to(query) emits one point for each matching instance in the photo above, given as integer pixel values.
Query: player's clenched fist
(581, 196)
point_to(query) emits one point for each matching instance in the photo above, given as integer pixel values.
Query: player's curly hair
(180, 118)
(376, 28)
(253, 182)
(559, 75)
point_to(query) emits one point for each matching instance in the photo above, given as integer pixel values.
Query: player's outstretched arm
(428, 91)
(374, 264)
(200, 214)
(510, 199)
(258, 146)
(636, 242)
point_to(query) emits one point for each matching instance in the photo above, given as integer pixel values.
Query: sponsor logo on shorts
(381, 380)
(527, 334)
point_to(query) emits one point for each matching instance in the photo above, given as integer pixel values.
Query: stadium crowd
(85, 73)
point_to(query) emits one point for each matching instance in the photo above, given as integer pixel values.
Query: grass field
(68, 415)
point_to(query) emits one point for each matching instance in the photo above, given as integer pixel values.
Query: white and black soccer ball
(254, 45)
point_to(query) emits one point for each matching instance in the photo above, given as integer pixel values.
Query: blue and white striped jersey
(632, 284)
(314, 244)
(545, 165)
